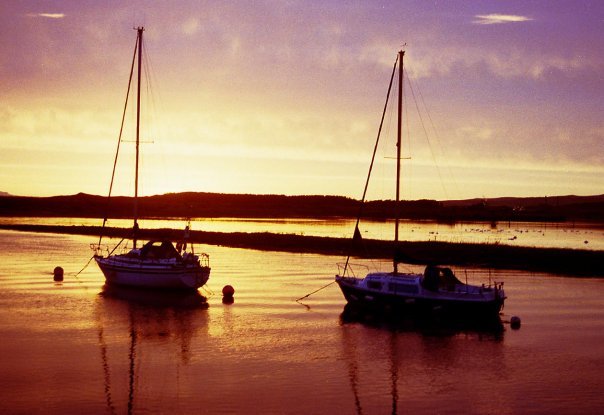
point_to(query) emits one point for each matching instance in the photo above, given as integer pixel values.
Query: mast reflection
(137, 330)
(382, 354)
(434, 324)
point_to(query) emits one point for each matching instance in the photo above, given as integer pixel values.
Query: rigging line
(421, 119)
(153, 117)
(118, 244)
(435, 130)
(409, 149)
(377, 141)
(117, 151)
(151, 84)
(146, 124)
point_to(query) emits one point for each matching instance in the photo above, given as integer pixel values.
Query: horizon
(6, 194)
(515, 102)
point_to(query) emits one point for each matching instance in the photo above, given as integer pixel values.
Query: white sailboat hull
(135, 272)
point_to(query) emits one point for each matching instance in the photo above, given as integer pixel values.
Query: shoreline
(571, 262)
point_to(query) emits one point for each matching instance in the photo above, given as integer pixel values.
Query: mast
(139, 30)
(398, 154)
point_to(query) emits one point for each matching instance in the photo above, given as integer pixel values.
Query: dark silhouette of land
(559, 261)
(207, 205)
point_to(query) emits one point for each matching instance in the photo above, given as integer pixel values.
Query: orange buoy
(58, 274)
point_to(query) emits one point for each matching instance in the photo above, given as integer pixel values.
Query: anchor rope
(85, 266)
(89, 261)
(309, 294)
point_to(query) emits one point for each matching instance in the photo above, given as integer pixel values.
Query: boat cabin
(439, 277)
(402, 283)
(159, 250)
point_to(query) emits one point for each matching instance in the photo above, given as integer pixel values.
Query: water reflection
(355, 356)
(143, 336)
(156, 299)
(432, 325)
(400, 362)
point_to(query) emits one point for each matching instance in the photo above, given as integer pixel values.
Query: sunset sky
(286, 96)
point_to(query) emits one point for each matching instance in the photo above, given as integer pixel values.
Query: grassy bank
(553, 260)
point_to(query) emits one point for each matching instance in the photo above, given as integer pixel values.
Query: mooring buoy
(228, 291)
(227, 294)
(58, 274)
(515, 322)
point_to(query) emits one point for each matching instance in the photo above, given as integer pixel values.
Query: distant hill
(570, 207)
(190, 204)
(4, 194)
(180, 205)
(528, 201)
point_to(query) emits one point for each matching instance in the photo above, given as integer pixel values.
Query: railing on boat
(204, 260)
(347, 270)
(101, 250)
(104, 250)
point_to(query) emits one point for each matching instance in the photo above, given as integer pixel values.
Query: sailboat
(437, 289)
(157, 263)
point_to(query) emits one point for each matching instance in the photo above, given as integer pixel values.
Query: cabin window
(402, 288)
(375, 285)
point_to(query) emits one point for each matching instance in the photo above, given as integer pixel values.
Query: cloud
(537, 65)
(47, 15)
(503, 63)
(495, 18)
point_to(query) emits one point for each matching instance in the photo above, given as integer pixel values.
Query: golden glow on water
(86, 349)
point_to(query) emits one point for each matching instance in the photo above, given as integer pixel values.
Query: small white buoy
(515, 322)
(58, 274)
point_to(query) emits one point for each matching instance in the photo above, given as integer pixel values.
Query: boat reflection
(145, 338)
(436, 324)
(386, 358)
(176, 299)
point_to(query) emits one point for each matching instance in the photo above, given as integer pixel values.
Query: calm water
(539, 234)
(73, 347)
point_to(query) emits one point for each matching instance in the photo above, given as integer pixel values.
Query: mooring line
(90, 260)
(78, 273)
(85, 266)
(309, 294)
